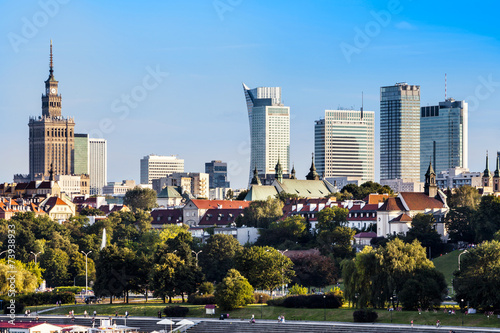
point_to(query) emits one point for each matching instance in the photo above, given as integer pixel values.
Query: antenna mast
(445, 86)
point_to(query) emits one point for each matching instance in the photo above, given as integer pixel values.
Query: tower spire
(51, 70)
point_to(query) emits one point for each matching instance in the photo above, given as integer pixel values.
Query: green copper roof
(169, 192)
(306, 188)
(261, 192)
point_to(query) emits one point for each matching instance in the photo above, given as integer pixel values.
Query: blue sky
(105, 50)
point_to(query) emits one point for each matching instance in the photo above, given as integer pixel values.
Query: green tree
(332, 217)
(230, 195)
(260, 214)
(234, 291)
(425, 288)
(26, 277)
(91, 211)
(241, 196)
(290, 229)
(56, 262)
(422, 229)
(464, 196)
(163, 274)
(218, 256)
(297, 290)
(488, 218)
(460, 222)
(314, 269)
(264, 267)
(140, 198)
(337, 242)
(478, 280)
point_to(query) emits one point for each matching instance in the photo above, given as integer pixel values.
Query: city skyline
(307, 57)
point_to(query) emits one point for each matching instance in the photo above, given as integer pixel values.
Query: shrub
(19, 306)
(176, 311)
(65, 297)
(201, 300)
(278, 301)
(73, 290)
(260, 298)
(297, 290)
(312, 301)
(32, 299)
(364, 316)
(234, 291)
(206, 288)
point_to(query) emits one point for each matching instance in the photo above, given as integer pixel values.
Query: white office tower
(345, 144)
(155, 167)
(98, 165)
(269, 123)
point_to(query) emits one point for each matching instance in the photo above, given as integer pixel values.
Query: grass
(447, 264)
(271, 312)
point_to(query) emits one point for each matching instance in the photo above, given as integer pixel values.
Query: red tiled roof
(420, 201)
(210, 204)
(375, 198)
(402, 218)
(392, 204)
(220, 216)
(53, 201)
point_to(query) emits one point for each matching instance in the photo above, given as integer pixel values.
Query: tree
(24, 277)
(163, 274)
(464, 196)
(424, 289)
(242, 195)
(218, 256)
(91, 211)
(290, 229)
(360, 192)
(313, 269)
(332, 217)
(264, 267)
(338, 242)
(230, 195)
(260, 214)
(488, 218)
(55, 261)
(234, 291)
(140, 198)
(422, 229)
(478, 280)
(460, 223)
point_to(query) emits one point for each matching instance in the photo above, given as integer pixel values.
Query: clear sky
(322, 53)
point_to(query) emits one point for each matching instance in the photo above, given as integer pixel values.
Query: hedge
(176, 311)
(364, 316)
(201, 300)
(328, 301)
(32, 299)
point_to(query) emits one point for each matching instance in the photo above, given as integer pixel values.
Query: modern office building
(192, 183)
(345, 144)
(217, 172)
(400, 132)
(444, 136)
(155, 167)
(81, 155)
(98, 165)
(269, 123)
(51, 136)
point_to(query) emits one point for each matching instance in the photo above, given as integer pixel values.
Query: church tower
(51, 136)
(278, 172)
(430, 186)
(496, 177)
(486, 179)
(312, 175)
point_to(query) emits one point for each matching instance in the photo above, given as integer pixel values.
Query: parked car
(92, 299)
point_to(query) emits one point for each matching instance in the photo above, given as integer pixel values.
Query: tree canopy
(140, 198)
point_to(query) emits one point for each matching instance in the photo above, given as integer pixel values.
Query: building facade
(345, 144)
(51, 136)
(193, 183)
(269, 123)
(458, 177)
(155, 167)
(217, 173)
(98, 165)
(400, 132)
(81, 154)
(444, 136)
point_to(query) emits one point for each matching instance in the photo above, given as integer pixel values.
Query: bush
(32, 299)
(297, 290)
(201, 300)
(312, 301)
(364, 316)
(260, 298)
(278, 301)
(176, 311)
(234, 291)
(6, 303)
(74, 290)
(206, 288)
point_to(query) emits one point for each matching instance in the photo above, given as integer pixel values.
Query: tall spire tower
(52, 137)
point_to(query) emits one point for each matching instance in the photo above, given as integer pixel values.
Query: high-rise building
(81, 154)
(400, 132)
(444, 136)
(217, 172)
(344, 144)
(269, 123)
(98, 165)
(51, 136)
(155, 167)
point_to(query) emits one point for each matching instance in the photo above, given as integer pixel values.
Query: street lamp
(462, 309)
(390, 310)
(35, 254)
(261, 305)
(459, 258)
(86, 275)
(197, 253)
(324, 307)
(283, 273)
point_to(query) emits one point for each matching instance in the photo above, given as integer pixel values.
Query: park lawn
(447, 264)
(272, 313)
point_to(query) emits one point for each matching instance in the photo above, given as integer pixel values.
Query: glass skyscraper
(345, 144)
(400, 132)
(81, 154)
(269, 123)
(217, 173)
(443, 136)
